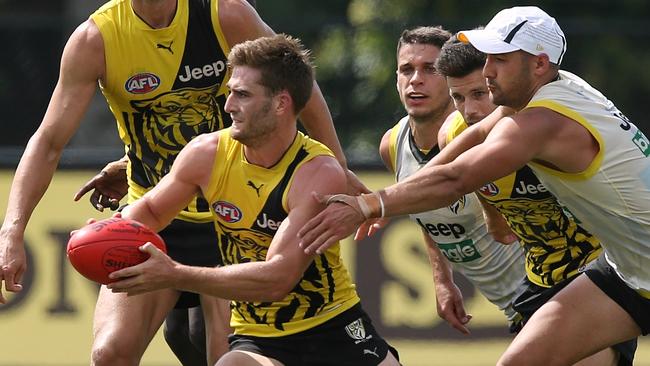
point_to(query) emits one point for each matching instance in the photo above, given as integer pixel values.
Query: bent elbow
(278, 289)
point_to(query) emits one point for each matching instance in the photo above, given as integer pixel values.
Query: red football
(105, 246)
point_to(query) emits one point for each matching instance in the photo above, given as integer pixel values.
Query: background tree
(354, 43)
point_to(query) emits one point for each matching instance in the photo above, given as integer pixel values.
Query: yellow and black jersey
(249, 203)
(556, 245)
(164, 86)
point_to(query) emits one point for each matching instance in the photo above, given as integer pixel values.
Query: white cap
(526, 28)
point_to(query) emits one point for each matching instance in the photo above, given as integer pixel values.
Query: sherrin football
(108, 245)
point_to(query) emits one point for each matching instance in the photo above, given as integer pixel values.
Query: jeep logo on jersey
(527, 185)
(465, 251)
(266, 222)
(526, 189)
(197, 73)
(442, 229)
(489, 190)
(142, 83)
(227, 211)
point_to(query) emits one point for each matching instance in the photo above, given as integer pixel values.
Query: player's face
(421, 89)
(471, 97)
(250, 106)
(509, 78)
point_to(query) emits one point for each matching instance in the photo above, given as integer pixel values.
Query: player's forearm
(33, 176)
(318, 122)
(440, 267)
(430, 188)
(253, 281)
(142, 212)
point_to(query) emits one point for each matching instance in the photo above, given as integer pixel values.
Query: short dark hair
(435, 36)
(458, 59)
(284, 64)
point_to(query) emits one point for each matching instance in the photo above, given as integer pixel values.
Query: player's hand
(355, 185)
(369, 227)
(13, 264)
(449, 304)
(337, 221)
(155, 273)
(109, 186)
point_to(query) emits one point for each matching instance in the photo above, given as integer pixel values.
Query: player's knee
(510, 358)
(110, 354)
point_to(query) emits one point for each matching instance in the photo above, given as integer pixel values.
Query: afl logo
(142, 83)
(489, 190)
(227, 211)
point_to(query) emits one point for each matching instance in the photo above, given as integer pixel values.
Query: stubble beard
(517, 96)
(260, 126)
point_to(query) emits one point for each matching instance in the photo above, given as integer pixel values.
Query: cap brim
(486, 41)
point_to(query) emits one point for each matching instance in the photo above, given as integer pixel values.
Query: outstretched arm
(82, 64)
(509, 145)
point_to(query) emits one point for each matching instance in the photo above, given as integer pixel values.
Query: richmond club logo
(459, 205)
(142, 83)
(227, 211)
(489, 190)
(356, 330)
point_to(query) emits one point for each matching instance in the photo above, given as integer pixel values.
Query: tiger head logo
(242, 245)
(165, 124)
(171, 120)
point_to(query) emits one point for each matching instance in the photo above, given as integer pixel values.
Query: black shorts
(604, 276)
(349, 339)
(192, 244)
(531, 297)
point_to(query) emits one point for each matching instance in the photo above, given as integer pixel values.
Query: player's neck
(266, 151)
(425, 131)
(156, 13)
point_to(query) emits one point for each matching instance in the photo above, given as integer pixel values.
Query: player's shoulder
(239, 21)
(390, 135)
(87, 34)
(235, 14)
(196, 159)
(83, 56)
(205, 142)
(453, 125)
(321, 170)
(453, 121)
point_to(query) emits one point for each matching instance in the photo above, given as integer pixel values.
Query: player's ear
(542, 63)
(283, 102)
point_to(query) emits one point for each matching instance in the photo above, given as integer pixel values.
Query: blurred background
(354, 48)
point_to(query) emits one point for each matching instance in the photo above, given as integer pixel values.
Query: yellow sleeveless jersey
(249, 203)
(164, 86)
(556, 245)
